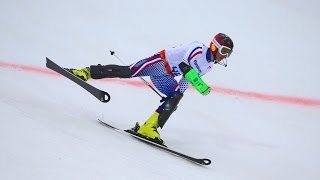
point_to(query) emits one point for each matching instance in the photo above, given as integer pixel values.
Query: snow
(49, 127)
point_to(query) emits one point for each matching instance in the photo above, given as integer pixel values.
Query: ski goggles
(223, 50)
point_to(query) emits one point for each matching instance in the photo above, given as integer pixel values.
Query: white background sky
(49, 128)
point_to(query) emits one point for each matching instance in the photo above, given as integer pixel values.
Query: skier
(190, 61)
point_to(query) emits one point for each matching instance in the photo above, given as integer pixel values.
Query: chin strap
(222, 63)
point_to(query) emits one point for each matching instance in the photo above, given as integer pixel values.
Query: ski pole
(143, 80)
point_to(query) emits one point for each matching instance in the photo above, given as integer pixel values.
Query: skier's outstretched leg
(102, 71)
(110, 71)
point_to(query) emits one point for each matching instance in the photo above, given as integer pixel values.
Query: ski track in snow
(220, 90)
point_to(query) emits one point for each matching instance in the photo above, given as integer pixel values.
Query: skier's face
(217, 56)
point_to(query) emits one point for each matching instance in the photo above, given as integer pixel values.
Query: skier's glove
(194, 78)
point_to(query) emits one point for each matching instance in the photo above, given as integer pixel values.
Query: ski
(99, 94)
(159, 146)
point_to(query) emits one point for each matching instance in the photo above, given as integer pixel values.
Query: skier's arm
(183, 85)
(194, 78)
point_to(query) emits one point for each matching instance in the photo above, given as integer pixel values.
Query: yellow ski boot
(149, 129)
(83, 73)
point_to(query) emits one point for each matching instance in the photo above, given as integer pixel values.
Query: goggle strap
(222, 63)
(216, 43)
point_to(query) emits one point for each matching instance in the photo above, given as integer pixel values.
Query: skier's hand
(207, 91)
(194, 78)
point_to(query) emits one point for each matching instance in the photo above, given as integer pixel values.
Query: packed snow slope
(49, 127)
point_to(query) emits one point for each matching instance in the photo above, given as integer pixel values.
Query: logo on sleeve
(197, 66)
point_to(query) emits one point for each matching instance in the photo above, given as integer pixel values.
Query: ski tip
(106, 97)
(47, 59)
(206, 162)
